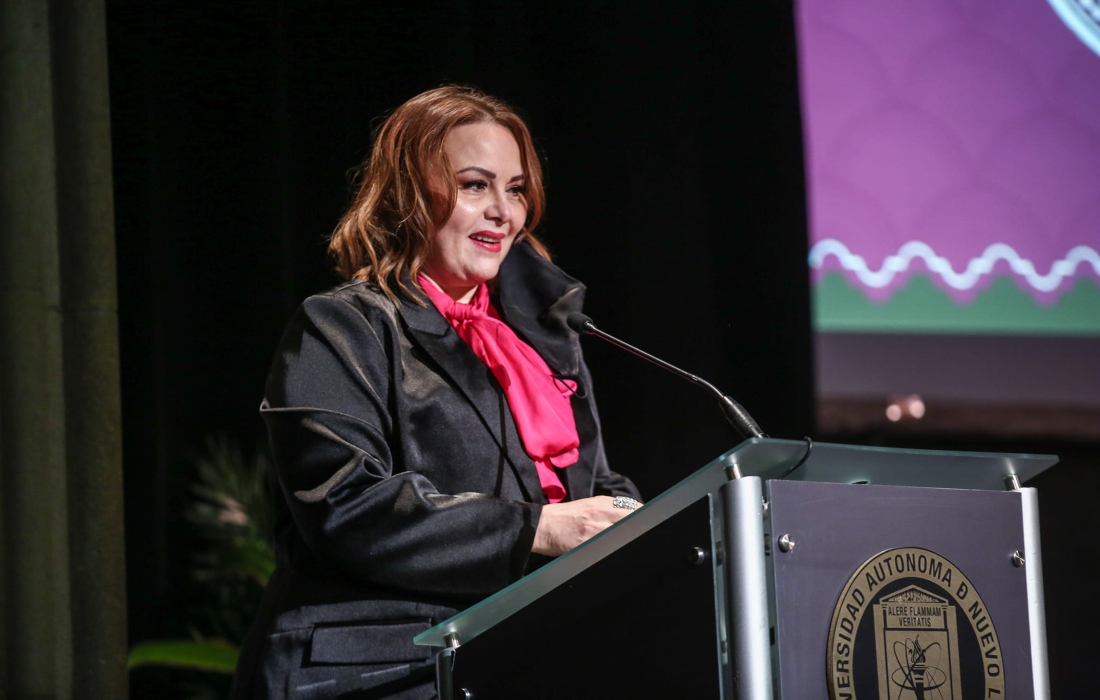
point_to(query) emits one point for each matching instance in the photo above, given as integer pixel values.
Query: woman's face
(489, 210)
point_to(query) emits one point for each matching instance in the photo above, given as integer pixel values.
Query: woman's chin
(482, 275)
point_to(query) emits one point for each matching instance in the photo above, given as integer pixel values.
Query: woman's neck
(461, 295)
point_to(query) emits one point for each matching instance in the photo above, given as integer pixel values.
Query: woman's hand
(563, 526)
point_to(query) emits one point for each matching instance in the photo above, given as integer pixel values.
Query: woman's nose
(499, 210)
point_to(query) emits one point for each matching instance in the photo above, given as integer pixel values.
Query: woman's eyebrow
(487, 173)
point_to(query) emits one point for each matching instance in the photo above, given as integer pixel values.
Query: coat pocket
(368, 643)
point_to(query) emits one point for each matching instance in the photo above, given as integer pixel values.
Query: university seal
(910, 625)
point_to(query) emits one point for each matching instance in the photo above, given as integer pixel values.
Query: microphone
(733, 411)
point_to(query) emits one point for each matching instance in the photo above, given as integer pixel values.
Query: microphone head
(578, 322)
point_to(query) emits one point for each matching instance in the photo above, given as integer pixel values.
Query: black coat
(402, 490)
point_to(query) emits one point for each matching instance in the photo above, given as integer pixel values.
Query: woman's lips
(488, 240)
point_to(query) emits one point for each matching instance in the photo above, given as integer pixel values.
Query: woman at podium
(432, 420)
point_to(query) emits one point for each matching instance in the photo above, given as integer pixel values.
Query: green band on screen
(921, 307)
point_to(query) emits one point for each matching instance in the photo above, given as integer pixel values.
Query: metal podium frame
(744, 591)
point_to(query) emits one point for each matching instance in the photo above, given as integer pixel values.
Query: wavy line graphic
(975, 269)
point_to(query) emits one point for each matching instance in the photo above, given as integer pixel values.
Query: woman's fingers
(563, 526)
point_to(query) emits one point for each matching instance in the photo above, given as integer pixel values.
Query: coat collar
(535, 299)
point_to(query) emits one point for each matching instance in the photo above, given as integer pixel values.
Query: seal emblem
(910, 625)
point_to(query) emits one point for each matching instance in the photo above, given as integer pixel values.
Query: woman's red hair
(386, 234)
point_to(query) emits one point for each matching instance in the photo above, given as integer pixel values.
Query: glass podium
(749, 577)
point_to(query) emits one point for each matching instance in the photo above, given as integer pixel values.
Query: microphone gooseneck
(733, 411)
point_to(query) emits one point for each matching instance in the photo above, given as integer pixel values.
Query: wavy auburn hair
(389, 228)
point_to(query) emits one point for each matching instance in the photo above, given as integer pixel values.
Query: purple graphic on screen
(954, 138)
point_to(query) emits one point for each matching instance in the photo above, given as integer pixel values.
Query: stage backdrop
(671, 138)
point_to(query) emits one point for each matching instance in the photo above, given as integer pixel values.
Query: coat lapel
(474, 380)
(535, 299)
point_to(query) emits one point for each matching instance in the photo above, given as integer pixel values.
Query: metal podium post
(746, 589)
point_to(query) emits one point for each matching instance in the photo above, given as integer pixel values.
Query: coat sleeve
(330, 410)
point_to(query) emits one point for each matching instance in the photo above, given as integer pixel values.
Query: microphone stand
(734, 413)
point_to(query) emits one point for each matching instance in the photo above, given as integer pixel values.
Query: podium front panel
(895, 591)
(640, 623)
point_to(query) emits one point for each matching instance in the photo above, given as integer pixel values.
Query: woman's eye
(475, 185)
(518, 190)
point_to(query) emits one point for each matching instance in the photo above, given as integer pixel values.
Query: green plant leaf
(256, 560)
(207, 655)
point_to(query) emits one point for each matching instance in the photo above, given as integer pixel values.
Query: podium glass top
(768, 459)
(853, 464)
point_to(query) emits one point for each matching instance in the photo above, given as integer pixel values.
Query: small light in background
(903, 407)
(916, 407)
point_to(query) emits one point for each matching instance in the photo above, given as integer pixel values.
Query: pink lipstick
(488, 240)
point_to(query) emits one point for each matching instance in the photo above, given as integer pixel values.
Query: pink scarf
(538, 400)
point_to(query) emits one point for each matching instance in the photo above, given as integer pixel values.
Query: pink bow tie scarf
(538, 400)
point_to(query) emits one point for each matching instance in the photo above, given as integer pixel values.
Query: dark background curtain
(672, 143)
